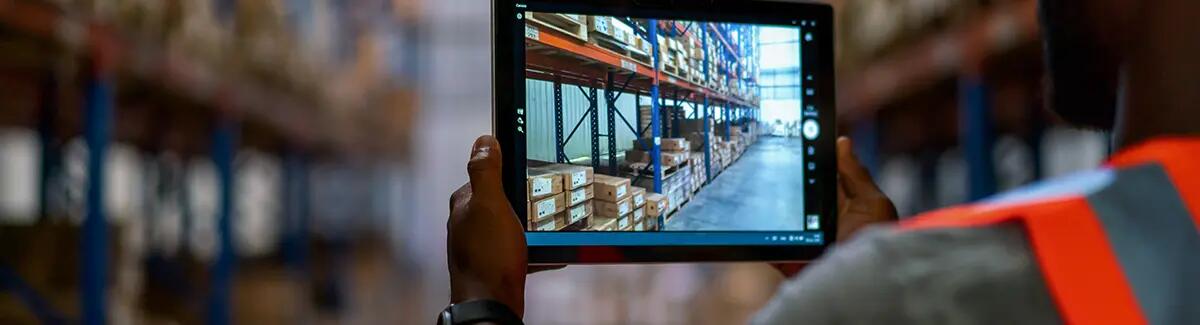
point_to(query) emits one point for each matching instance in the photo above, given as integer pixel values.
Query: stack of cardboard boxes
(559, 196)
(610, 32)
(614, 204)
(638, 200)
(674, 152)
(656, 205)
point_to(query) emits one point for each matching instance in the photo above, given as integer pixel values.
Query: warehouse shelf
(961, 49)
(567, 58)
(558, 55)
(555, 55)
(290, 114)
(223, 106)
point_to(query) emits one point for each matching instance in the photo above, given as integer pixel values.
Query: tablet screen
(652, 132)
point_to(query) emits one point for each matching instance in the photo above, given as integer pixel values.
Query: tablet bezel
(507, 31)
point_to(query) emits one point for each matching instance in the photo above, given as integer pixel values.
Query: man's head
(1083, 48)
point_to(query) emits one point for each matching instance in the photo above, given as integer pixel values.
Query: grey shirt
(984, 275)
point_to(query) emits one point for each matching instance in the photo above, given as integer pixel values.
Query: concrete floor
(762, 191)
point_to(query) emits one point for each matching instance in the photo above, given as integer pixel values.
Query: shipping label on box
(542, 183)
(611, 189)
(579, 212)
(582, 194)
(656, 204)
(548, 206)
(573, 177)
(639, 196)
(600, 24)
(638, 227)
(638, 214)
(623, 223)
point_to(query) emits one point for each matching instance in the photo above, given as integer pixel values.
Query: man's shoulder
(961, 275)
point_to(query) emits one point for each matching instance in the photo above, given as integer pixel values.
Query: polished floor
(762, 191)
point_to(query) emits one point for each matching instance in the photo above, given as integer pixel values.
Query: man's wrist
(465, 288)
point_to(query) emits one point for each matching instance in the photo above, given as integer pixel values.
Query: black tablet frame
(509, 79)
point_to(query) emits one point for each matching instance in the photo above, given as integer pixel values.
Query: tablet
(653, 131)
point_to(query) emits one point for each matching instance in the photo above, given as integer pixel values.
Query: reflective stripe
(1082, 274)
(1180, 157)
(1155, 241)
(1077, 184)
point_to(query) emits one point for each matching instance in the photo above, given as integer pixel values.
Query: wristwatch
(478, 311)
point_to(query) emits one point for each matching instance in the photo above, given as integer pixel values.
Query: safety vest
(1120, 245)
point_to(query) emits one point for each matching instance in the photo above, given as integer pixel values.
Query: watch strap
(482, 310)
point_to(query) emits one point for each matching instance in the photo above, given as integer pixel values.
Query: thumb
(484, 168)
(855, 178)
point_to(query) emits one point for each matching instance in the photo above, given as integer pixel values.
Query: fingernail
(482, 147)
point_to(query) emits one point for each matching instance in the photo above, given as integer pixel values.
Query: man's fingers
(484, 168)
(855, 178)
(460, 196)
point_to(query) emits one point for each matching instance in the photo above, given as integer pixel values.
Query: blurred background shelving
(288, 161)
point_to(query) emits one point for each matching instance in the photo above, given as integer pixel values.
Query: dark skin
(486, 244)
(1130, 67)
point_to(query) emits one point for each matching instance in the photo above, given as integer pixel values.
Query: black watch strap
(479, 311)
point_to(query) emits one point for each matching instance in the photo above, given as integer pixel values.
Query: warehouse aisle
(764, 190)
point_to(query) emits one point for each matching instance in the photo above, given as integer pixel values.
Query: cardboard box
(639, 196)
(553, 223)
(638, 214)
(611, 189)
(656, 204)
(601, 223)
(541, 183)
(666, 157)
(674, 158)
(650, 224)
(613, 209)
(573, 177)
(611, 27)
(580, 212)
(625, 223)
(544, 208)
(581, 194)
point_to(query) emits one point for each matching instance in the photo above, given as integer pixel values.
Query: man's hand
(485, 243)
(860, 202)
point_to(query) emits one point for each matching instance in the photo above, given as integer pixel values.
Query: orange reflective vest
(1120, 245)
